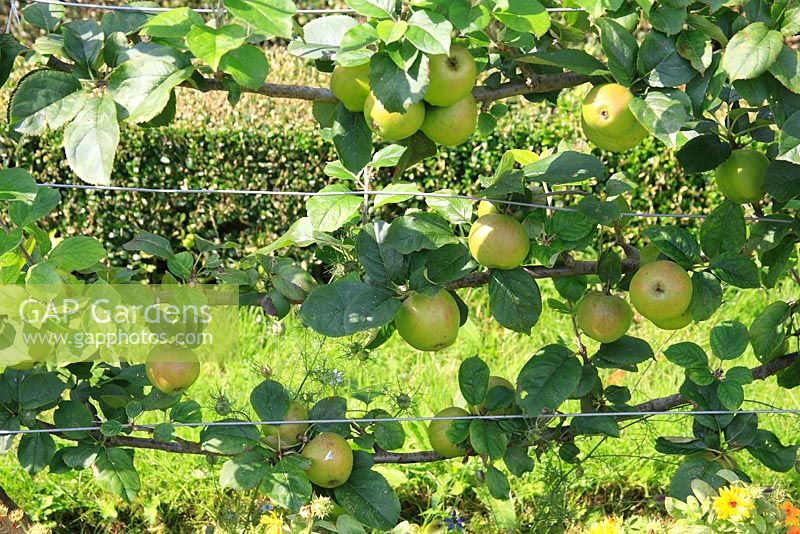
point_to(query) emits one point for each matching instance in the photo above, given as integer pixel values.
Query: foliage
(704, 79)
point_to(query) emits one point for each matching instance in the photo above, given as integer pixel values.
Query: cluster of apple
(443, 422)
(447, 116)
(431, 322)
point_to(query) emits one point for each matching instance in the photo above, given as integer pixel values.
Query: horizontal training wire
(112, 7)
(361, 193)
(692, 413)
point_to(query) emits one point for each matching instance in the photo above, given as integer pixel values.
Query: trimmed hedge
(293, 159)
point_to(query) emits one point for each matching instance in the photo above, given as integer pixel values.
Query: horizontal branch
(540, 83)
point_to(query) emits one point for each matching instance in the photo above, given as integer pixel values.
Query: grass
(182, 494)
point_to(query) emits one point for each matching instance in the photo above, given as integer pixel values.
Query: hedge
(293, 159)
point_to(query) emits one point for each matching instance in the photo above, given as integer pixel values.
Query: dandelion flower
(733, 504)
(272, 522)
(609, 525)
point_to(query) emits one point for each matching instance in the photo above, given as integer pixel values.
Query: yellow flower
(733, 503)
(609, 525)
(273, 522)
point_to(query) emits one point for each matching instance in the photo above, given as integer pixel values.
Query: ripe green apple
(494, 381)
(450, 78)
(286, 436)
(351, 86)
(331, 460)
(172, 369)
(498, 241)
(741, 177)
(607, 121)
(451, 125)
(392, 125)
(648, 254)
(437, 432)
(661, 290)
(428, 322)
(676, 323)
(485, 208)
(604, 318)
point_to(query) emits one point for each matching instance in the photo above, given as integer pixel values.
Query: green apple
(451, 125)
(676, 323)
(428, 322)
(351, 86)
(437, 432)
(331, 460)
(172, 369)
(485, 208)
(604, 318)
(661, 290)
(607, 121)
(280, 437)
(391, 125)
(494, 382)
(741, 177)
(450, 78)
(498, 241)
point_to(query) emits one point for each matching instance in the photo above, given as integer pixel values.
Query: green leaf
(782, 180)
(229, 439)
(429, 31)
(487, 437)
(330, 408)
(389, 435)
(23, 214)
(667, 19)
(377, 9)
(126, 22)
(10, 240)
(789, 139)
(396, 87)
(624, 353)
(77, 253)
(514, 299)
(695, 467)
(300, 234)
(181, 265)
(703, 153)
(39, 390)
(210, 44)
(400, 192)
(113, 469)
(322, 37)
(473, 380)
(382, 263)
(368, 497)
(44, 16)
(687, 354)
(247, 65)
(600, 425)
(785, 69)
(569, 59)
(599, 211)
(17, 184)
(661, 64)
(767, 449)
(526, 16)
(9, 50)
(83, 42)
(497, 482)
(731, 395)
(186, 412)
(419, 231)
(329, 213)
(736, 269)
(517, 460)
(143, 85)
(676, 243)
(706, 295)
(455, 210)
(172, 25)
(751, 51)
(703, 24)
(621, 49)
(152, 244)
(566, 167)
(695, 46)
(729, 340)
(352, 139)
(91, 139)
(40, 98)
(663, 113)
(348, 306)
(723, 230)
(244, 471)
(766, 331)
(286, 485)
(35, 451)
(273, 17)
(270, 401)
(548, 379)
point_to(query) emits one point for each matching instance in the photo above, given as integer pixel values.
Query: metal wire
(112, 7)
(267, 192)
(690, 413)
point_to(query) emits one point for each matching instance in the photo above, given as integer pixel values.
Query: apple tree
(717, 82)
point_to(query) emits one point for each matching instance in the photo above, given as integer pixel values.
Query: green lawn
(623, 476)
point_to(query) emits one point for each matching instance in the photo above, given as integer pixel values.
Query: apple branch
(541, 83)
